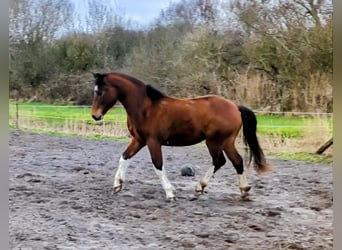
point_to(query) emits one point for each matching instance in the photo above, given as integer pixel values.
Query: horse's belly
(183, 140)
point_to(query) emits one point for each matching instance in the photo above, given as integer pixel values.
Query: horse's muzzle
(97, 117)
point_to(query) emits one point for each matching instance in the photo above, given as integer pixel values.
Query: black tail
(249, 123)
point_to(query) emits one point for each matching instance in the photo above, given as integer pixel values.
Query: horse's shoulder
(153, 93)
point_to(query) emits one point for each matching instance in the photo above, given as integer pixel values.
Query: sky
(139, 11)
(142, 11)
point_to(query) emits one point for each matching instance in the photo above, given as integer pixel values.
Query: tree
(289, 42)
(33, 26)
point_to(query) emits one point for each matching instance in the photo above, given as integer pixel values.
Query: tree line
(270, 54)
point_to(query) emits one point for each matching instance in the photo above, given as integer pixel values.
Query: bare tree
(33, 19)
(101, 15)
(289, 42)
(33, 25)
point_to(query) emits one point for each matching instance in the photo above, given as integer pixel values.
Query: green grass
(58, 114)
(290, 126)
(304, 156)
(286, 137)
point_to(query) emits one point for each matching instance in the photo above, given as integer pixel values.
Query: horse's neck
(134, 102)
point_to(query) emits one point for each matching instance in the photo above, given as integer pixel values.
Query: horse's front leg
(124, 162)
(156, 155)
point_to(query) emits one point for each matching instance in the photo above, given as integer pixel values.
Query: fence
(63, 119)
(277, 131)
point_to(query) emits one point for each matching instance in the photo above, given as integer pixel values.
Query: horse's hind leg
(218, 161)
(237, 162)
(124, 162)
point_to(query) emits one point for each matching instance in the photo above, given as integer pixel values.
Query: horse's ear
(96, 75)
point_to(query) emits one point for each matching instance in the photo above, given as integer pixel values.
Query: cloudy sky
(140, 11)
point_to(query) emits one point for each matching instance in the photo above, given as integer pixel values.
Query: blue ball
(187, 170)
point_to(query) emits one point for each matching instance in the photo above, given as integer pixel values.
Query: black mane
(153, 93)
(132, 79)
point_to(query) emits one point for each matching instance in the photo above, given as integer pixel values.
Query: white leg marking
(206, 178)
(120, 173)
(243, 185)
(242, 180)
(168, 188)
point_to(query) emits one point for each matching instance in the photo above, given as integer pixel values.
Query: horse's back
(207, 115)
(218, 102)
(222, 114)
(216, 106)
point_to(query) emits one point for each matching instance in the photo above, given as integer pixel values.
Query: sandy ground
(60, 197)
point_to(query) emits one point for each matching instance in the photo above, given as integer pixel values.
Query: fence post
(17, 114)
(325, 146)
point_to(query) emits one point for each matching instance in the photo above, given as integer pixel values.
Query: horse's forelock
(99, 79)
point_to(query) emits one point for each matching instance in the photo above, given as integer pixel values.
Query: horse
(156, 119)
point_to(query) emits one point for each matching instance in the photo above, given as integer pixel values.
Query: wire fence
(302, 130)
(64, 119)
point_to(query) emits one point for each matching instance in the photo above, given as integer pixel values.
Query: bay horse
(155, 119)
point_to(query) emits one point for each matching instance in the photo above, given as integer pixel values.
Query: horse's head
(105, 96)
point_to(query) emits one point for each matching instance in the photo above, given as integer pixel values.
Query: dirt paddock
(60, 197)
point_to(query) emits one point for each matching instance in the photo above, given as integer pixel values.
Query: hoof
(117, 189)
(244, 192)
(245, 196)
(199, 192)
(245, 189)
(171, 199)
(200, 188)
